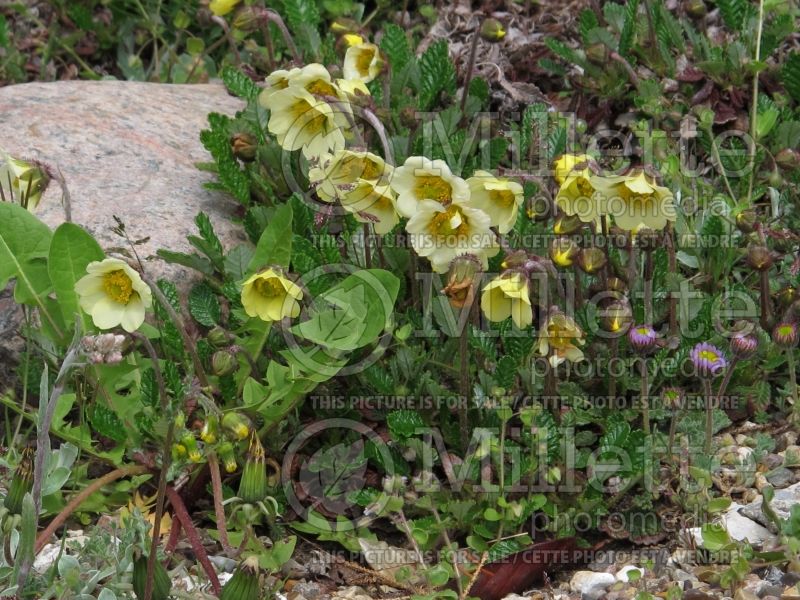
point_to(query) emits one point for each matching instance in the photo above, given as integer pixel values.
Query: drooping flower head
(462, 278)
(21, 182)
(576, 192)
(566, 163)
(635, 201)
(563, 251)
(421, 179)
(362, 62)
(440, 233)
(560, 337)
(708, 360)
(617, 316)
(222, 7)
(744, 345)
(508, 296)
(335, 174)
(372, 203)
(498, 197)
(113, 294)
(270, 296)
(642, 338)
(785, 335)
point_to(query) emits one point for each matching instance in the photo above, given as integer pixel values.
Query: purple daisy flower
(642, 338)
(708, 360)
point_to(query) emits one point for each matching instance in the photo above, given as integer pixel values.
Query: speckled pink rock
(127, 149)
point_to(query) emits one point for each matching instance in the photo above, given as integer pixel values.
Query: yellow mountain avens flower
(222, 7)
(113, 294)
(440, 233)
(300, 121)
(373, 203)
(559, 337)
(564, 165)
(276, 81)
(508, 296)
(635, 201)
(353, 88)
(576, 194)
(335, 174)
(498, 197)
(362, 61)
(423, 179)
(270, 296)
(21, 181)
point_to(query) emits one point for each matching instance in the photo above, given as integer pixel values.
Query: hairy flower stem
(754, 107)
(612, 381)
(271, 15)
(673, 423)
(673, 268)
(766, 305)
(464, 387)
(648, 287)
(219, 509)
(709, 415)
(473, 50)
(643, 398)
(229, 36)
(367, 249)
(793, 381)
(80, 497)
(727, 378)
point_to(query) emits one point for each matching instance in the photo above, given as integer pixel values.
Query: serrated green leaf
(71, 250)
(404, 423)
(437, 74)
(733, 12)
(586, 22)
(217, 141)
(204, 305)
(395, 47)
(790, 73)
(304, 18)
(238, 83)
(275, 245)
(628, 28)
(105, 422)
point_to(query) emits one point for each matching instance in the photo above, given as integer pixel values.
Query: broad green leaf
(71, 250)
(275, 245)
(437, 74)
(715, 536)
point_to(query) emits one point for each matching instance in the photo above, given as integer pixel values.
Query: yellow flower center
(449, 222)
(504, 198)
(643, 330)
(364, 60)
(584, 187)
(269, 288)
(320, 87)
(709, 355)
(433, 187)
(118, 286)
(355, 167)
(785, 330)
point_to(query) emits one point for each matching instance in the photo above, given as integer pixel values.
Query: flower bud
(226, 453)
(21, 482)
(210, 431)
(785, 335)
(788, 159)
(759, 257)
(786, 296)
(563, 251)
(695, 8)
(244, 584)
(743, 346)
(192, 451)
(223, 363)
(492, 30)
(642, 338)
(248, 19)
(617, 317)
(217, 337)
(746, 221)
(462, 276)
(597, 53)
(343, 26)
(244, 146)
(591, 260)
(237, 425)
(567, 224)
(672, 397)
(253, 485)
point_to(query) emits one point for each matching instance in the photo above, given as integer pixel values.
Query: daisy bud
(785, 335)
(492, 31)
(708, 360)
(672, 397)
(566, 224)
(228, 457)
(642, 338)
(236, 425)
(21, 482)
(192, 451)
(563, 251)
(591, 260)
(253, 485)
(244, 584)
(210, 431)
(223, 363)
(759, 257)
(743, 346)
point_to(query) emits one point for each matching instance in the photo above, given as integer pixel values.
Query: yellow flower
(353, 88)
(563, 251)
(498, 197)
(440, 233)
(112, 293)
(276, 81)
(576, 196)
(635, 201)
(566, 163)
(335, 175)
(300, 121)
(362, 61)
(422, 179)
(560, 334)
(222, 7)
(270, 296)
(372, 203)
(21, 181)
(143, 505)
(352, 39)
(508, 296)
